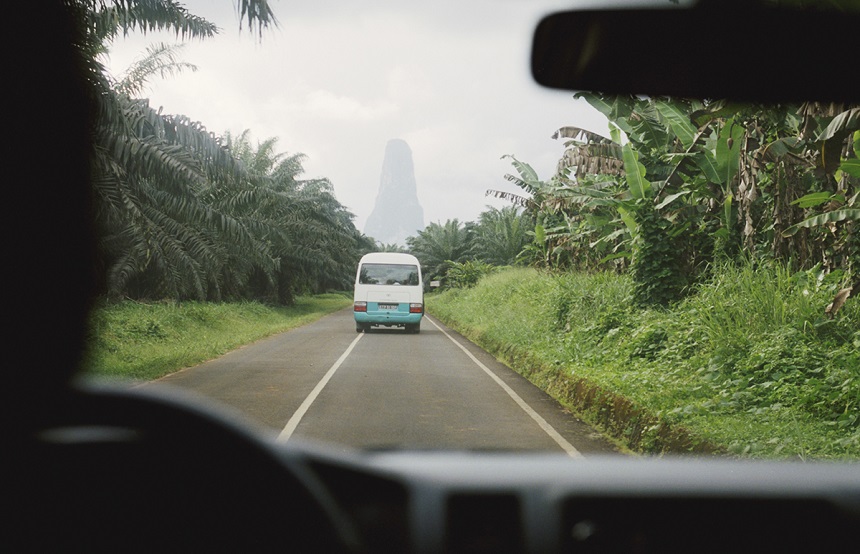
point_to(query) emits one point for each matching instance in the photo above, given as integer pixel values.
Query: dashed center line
(288, 430)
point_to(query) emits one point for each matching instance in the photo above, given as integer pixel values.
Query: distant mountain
(397, 213)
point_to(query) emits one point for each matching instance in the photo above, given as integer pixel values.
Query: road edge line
(294, 421)
(542, 423)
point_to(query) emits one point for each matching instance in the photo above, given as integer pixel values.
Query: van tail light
(359, 307)
(416, 308)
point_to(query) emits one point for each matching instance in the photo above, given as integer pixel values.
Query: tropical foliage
(739, 223)
(500, 235)
(467, 274)
(438, 246)
(682, 183)
(458, 253)
(185, 213)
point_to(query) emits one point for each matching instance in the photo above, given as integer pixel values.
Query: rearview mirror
(713, 49)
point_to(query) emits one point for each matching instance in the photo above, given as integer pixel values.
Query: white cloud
(326, 104)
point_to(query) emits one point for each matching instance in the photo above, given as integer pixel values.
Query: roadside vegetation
(750, 365)
(144, 341)
(687, 282)
(693, 276)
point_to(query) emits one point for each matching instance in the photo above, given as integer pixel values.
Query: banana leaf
(847, 214)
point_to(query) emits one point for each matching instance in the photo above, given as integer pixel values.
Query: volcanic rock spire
(397, 213)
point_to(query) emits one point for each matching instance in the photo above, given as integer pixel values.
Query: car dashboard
(504, 502)
(110, 469)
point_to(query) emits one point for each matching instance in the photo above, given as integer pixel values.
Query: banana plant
(847, 213)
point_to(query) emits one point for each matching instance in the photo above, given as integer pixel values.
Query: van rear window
(388, 274)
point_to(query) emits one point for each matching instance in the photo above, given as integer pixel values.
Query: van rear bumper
(375, 316)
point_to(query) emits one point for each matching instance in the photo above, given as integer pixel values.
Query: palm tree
(438, 245)
(161, 59)
(148, 168)
(308, 238)
(185, 213)
(149, 175)
(501, 235)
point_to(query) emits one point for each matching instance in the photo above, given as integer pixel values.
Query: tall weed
(740, 303)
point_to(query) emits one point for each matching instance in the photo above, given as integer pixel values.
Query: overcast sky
(337, 80)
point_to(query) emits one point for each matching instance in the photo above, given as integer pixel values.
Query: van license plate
(388, 306)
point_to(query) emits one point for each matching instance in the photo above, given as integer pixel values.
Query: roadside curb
(616, 416)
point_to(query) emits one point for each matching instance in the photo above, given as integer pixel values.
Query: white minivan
(389, 291)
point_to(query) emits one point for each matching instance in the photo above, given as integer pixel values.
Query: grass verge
(144, 341)
(747, 366)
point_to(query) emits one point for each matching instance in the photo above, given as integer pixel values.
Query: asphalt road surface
(388, 389)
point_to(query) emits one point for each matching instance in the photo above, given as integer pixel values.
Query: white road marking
(548, 429)
(288, 430)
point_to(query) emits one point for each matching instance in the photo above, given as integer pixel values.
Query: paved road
(388, 389)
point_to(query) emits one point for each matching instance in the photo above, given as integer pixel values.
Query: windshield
(604, 273)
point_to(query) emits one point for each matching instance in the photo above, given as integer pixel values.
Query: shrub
(466, 274)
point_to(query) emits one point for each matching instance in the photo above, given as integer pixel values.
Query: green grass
(144, 341)
(749, 365)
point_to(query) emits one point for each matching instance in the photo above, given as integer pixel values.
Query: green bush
(466, 274)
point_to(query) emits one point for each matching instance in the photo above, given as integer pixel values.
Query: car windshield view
(597, 273)
(388, 274)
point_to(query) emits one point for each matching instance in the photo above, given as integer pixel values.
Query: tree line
(681, 186)
(183, 213)
(677, 186)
